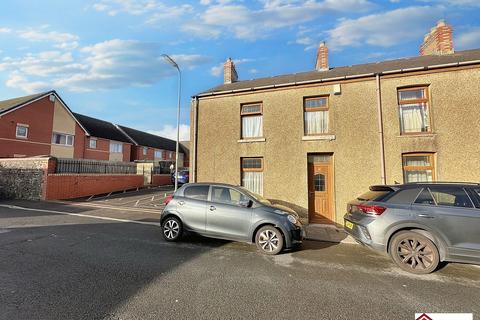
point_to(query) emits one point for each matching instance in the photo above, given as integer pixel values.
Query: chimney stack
(229, 72)
(322, 58)
(438, 41)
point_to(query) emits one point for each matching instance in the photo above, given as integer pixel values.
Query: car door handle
(212, 208)
(425, 216)
(181, 202)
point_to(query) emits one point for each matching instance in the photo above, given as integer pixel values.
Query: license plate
(348, 224)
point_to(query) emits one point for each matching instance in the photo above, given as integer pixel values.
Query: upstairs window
(21, 131)
(315, 115)
(159, 154)
(252, 121)
(93, 143)
(116, 147)
(414, 110)
(252, 174)
(62, 139)
(418, 167)
(144, 150)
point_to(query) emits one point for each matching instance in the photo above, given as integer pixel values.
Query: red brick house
(150, 147)
(106, 141)
(40, 124)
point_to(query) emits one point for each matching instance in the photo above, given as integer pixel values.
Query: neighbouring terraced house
(316, 140)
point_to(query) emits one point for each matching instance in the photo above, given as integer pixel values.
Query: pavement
(75, 260)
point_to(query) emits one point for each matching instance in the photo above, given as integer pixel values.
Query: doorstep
(328, 233)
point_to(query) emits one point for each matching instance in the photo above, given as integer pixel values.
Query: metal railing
(94, 167)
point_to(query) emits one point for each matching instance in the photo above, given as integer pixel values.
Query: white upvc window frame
(114, 150)
(90, 143)
(67, 136)
(21, 125)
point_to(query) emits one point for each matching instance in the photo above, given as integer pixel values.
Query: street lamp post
(175, 65)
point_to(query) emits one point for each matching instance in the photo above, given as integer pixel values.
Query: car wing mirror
(247, 203)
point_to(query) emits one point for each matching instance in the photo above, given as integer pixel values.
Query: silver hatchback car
(230, 212)
(419, 224)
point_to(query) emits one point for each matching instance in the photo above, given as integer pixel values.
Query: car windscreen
(374, 195)
(256, 196)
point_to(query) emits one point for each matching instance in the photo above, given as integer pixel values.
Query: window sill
(62, 145)
(328, 137)
(416, 135)
(251, 140)
(22, 138)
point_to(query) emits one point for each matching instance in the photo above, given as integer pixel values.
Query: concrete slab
(328, 233)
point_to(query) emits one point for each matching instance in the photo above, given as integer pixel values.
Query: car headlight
(292, 219)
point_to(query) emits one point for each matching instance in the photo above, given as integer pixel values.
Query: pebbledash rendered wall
(354, 144)
(24, 178)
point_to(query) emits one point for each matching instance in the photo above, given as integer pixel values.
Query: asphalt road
(85, 266)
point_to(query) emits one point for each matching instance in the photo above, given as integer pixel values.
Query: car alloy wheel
(269, 240)
(414, 253)
(172, 229)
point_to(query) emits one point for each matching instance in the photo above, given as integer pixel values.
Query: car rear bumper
(361, 234)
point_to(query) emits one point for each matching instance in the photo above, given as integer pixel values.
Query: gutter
(195, 133)
(348, 77)
(380, 130)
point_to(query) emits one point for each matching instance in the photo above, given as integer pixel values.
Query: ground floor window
(252, 174)
(418, 167)
(116, 147)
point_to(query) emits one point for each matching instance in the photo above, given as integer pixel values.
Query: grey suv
(420, 224)
(230, 212)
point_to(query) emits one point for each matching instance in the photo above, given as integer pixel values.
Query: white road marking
(95, 205)
(136, 203)
(79, 215)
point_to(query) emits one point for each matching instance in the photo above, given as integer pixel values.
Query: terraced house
(43, 125)
(316, 140)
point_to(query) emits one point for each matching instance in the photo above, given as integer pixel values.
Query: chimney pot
(438, 41)
(322, 57)
(229, 72)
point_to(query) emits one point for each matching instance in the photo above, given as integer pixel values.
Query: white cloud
(106, 65)
(156, 11)
(385, 29)
(469, 39)
(17, 81)
(232, 18)
(169, 131)
(250, 24)
(62, 40)
(5, 30)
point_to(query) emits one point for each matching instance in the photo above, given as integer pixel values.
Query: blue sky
(104, 56)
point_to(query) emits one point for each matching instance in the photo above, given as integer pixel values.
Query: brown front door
(320, 193)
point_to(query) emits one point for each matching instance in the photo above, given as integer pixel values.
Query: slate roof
(368, 69)
(150, 140)
(101, 129)
(6, 105)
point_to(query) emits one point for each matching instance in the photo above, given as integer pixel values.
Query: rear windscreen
(374, 195)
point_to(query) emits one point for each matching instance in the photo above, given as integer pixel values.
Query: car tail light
(168, 199)
(371, 209)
